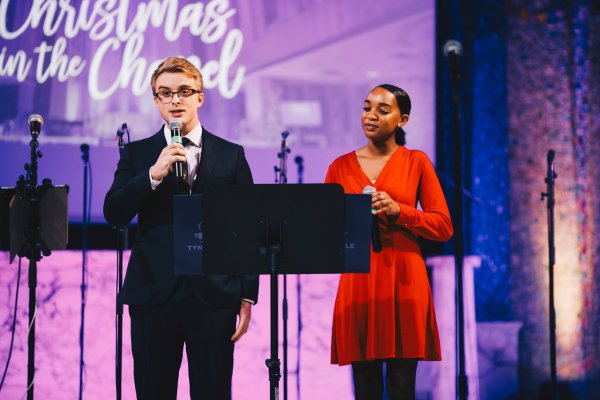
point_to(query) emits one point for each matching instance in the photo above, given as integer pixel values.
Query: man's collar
(195, 135)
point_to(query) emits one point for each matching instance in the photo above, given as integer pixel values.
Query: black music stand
(37, 224)
(273, 229)
(6, 196)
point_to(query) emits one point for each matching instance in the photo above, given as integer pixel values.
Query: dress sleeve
(434, 221)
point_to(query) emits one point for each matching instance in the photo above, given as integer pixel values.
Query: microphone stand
(299, 162)
(452, 50)
(33, 249)
(121, 244)
(549, 195)
(282, 170)
(85, 156)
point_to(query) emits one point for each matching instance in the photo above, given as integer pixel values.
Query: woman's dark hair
(404, 104)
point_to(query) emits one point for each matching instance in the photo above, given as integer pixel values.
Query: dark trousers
(158, 334)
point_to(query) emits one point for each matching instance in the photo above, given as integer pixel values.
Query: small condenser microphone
(453, 50)
(120, 133)
(35, 125)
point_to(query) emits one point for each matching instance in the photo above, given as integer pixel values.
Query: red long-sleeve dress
(388, 313)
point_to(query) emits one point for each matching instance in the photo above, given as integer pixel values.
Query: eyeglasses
(166, 96)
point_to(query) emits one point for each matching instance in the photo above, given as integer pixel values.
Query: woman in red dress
(387, 315)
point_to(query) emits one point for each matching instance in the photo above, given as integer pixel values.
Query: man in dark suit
(166, 310)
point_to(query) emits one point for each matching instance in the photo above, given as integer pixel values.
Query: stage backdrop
(268, 66)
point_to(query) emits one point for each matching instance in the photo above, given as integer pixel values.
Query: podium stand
(275, 229)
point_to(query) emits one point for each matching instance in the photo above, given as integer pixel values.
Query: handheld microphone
(35, 125)
(375, 233)
(175, 127)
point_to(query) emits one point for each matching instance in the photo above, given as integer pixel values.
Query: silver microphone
(175, 127)
(453, 47)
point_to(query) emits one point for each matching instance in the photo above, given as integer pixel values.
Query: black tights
(400, 379)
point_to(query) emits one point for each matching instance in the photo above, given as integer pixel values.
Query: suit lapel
(208, 160)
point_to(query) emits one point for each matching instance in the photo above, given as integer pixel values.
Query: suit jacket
(150, 278)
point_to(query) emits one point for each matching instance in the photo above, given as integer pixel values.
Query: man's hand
(244, 322)
(164, 164)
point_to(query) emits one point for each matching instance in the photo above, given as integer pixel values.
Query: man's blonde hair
(177, 64)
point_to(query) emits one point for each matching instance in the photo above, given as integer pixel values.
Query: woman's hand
(382, 203)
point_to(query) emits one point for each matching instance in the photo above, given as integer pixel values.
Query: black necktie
(185, 173)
